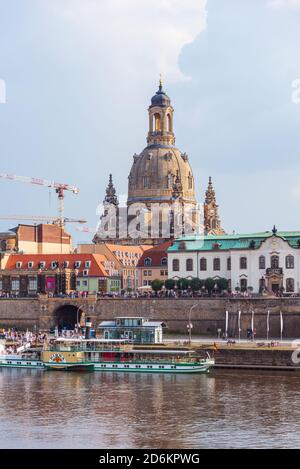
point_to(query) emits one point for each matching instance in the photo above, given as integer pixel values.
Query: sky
(77, 77)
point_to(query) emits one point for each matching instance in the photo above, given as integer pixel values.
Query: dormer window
(164, 262)
(19, 265)
(85, 273)
(54, 265)
(87, 264)
(66, 264)
(77, 264)
(42, 265)
(30, 265)
(148, 262)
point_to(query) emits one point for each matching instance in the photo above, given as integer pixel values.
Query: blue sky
(79, 76)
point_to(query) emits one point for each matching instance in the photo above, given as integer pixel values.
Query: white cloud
(134, 36)
(278, 4)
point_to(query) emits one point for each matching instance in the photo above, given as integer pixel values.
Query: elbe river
(224, 409)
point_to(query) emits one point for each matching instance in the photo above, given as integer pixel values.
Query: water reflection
(109, 410)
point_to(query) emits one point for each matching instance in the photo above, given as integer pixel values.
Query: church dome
(160, 99)
(154, 174)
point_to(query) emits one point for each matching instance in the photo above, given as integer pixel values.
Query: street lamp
(190, 325)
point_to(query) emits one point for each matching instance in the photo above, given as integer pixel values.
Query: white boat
(120, 355)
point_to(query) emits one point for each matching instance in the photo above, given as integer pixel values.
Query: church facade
(161, 202)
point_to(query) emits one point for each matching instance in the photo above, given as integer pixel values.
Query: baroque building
(161, 203)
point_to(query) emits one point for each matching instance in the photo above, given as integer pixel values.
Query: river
(224, 409)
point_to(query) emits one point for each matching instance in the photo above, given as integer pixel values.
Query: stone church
(160, 179)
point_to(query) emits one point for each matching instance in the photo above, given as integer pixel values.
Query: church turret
(110, 197)
(212, 223)
(161, 119)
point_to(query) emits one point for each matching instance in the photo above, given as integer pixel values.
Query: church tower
(212, 223)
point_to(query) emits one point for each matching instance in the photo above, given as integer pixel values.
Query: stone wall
(207, 315)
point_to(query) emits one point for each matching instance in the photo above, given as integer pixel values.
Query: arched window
(157, 122)
(244, 284)
(243, 263)
(164, 262)
(290, 262)
(175, 265)
(203, 264)
(189, 265)
(146, 182)
(290, 285)
(169, 123)
(148, 262)
(217, 263)
(262, 262)
(275, 262)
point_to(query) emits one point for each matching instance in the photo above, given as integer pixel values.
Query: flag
(226, 324)
(281, 324)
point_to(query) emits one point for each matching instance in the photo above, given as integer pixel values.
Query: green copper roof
(231, 241)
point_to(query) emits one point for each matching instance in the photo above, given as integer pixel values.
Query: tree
(209, 284)
(157, 285)
(170, 284)
(222, 284)
(183, 284)
(196, 284)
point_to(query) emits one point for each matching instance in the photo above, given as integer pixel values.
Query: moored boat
(120, 355)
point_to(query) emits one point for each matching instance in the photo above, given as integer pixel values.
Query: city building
(268, 261)
(36, 239)
(161, 181)
(136, 329)
(154, 264)
(31, 274)
(125, 258)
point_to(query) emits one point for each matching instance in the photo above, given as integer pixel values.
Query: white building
(270, 260)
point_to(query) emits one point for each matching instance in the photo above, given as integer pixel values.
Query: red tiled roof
(95, 270)
(156, 254)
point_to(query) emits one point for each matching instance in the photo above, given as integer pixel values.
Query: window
(66, 264)
(77, 264)
(84, 283)
(32, 284)
(87, 264)
(42, 265)
(85, 273)
(146, 182)
(243, 263)
(148, 262)
(190, 181)
(30, 265)
(164, 262)
(203, 264)
(228, 263)
(217, 263)
(77, 283)
(145, 273)
(189, 265)
(54, 264)
(290, 262)
(175, 265)
(15, 284)
(290, 285)
(18, 265)
(262, 262)
(275, 262)
(244, 284)
(157, 122)
(169, 123)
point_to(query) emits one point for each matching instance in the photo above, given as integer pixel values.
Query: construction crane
(40, 219)
(59, 189)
